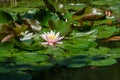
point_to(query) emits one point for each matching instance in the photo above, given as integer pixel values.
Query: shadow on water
(86, 73)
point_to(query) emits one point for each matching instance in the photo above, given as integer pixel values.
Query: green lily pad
(103, 62)
(103, 51)
(74, 7)
(43, 16)
(115, 53)
(79, 44)
(6, 46)
(54, 51)
(30, 58)
(63, 27)
(28, 45)
(5, 17)
(106, 31)
(77, 61)
(102, 3)
(76, 65)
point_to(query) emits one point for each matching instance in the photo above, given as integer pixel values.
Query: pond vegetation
(44, 35)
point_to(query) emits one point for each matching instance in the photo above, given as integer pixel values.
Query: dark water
(88, 73)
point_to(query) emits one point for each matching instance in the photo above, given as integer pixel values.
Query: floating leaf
(106, 31)
(28, 45)
(74, 7)
(6, 46)
(76, 61)
(115, 53)
(80, 44)
(63, 27)
(55, 51)
(5, 17)
(43, 16)
(102, 3)
(103, 51)
(30, 58)
(103, 62)
(76, 65)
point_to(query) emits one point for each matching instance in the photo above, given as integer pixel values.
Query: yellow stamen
(52, 37)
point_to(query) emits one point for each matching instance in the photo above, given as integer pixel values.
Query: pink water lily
(51, 38)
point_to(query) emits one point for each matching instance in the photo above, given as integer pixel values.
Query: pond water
(59, 73)
(86, 73)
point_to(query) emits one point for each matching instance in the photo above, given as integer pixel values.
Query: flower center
(52, 37)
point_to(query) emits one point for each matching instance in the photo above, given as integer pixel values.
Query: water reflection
(101, 73)
(13, 2)
(4, 3)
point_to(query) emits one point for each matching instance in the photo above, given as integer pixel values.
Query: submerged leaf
(16, 76)
(4, 68)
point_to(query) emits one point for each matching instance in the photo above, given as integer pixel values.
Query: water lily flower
(51, 38)
(26, 36)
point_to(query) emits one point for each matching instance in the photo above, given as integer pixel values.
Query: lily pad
(28, 45)
(76, 65)
(103, 62)
(102, 3)
(63, 27)
(77, 61)
(115, 53)
(106, 31)
(6, 46)
(5, 17)
(43, 16)
(30, 58)
(74, 7)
